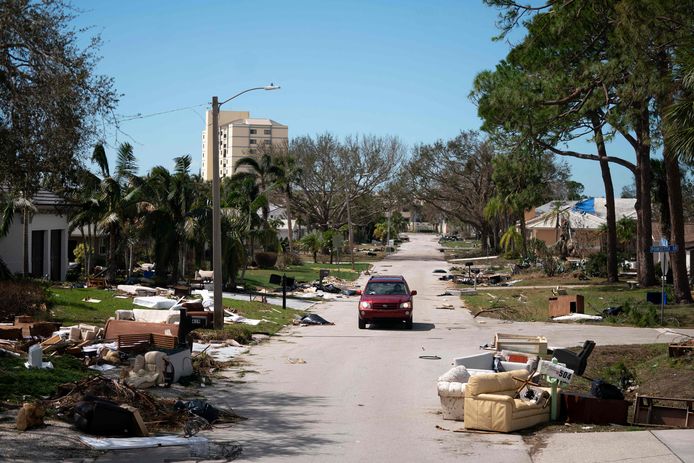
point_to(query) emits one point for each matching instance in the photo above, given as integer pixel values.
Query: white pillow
(457, 374)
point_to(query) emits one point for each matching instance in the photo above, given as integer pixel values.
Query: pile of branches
(156, 412)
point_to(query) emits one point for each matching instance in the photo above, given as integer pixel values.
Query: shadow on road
(277, 423)
(400, 326)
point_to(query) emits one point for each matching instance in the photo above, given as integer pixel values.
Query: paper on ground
(219, 352)
(577, 317)
(236, 318)
(124, 443)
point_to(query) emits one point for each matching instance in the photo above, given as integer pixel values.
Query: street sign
(556, 371)
(670, 248)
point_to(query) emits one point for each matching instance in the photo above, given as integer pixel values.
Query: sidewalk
(672, 445)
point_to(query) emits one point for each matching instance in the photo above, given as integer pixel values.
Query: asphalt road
(337, 393)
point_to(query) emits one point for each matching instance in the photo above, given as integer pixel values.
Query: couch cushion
(494, 382)
(451, 389)
(457, 374)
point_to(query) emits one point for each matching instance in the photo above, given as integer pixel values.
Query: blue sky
(402, 68)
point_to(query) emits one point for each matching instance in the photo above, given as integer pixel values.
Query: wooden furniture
(565, 305)
(577, 407)
(521, 343)
(653, 411)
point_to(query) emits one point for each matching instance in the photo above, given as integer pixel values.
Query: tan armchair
(490, 403)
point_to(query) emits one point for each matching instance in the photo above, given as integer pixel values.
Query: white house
(48, 236)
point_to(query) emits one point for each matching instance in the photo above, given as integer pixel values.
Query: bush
(22, 297)
(596, 265)
(291, 258)
(638, 314)
(266, 259)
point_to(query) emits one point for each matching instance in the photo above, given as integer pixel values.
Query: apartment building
(239, 136)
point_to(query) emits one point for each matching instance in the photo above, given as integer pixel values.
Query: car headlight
(365, 305)
(406, 305)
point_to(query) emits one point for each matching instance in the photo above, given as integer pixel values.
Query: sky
(402, 68)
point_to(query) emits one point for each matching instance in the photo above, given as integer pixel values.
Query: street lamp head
(271, 87)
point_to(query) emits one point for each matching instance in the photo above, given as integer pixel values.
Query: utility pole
(216, 221)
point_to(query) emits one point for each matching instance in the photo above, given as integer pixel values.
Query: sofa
(491, 403)
(451, 385)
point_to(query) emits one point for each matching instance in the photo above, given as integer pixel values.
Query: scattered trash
(445, 293)
(430, 357)
(89, 299)
(446, 307)
(236, 318)
(102, 417)
(440, 270)
(612, 311)
(653, 411)
(127, 443)
(30, 416)
(297, 361)
(200, 408)
(314, 319)
(577, 317)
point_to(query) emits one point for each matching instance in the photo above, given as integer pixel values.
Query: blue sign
(671, 248)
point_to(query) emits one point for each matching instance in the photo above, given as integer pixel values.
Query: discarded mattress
(154, 302)
(136, 290)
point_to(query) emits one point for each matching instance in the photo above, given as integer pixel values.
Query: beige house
(239, 136)
(585, 219)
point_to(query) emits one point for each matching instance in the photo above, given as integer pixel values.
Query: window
(253, 141)
(253, 131)
(252, 151)
(267, 131)
(268, 142)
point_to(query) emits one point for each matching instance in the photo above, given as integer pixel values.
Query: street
(366, 395)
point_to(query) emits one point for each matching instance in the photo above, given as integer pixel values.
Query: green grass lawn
(69, 308)
(307, 272)
(526, 304)
(16, 381)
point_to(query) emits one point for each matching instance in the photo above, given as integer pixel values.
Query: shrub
(266, 259)
(596, 265)
(22, 297)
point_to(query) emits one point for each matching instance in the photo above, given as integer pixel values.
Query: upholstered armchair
(490, 403)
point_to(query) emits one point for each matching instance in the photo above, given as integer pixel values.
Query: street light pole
(216, 208)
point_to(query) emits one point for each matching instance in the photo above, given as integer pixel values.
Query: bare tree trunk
(612, 271)
(25, 244)
(644, 232)
(679, 258)
(111, 268)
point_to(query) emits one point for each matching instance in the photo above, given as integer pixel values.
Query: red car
(386, 298)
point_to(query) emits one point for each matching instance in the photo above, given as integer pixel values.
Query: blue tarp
(587, 206)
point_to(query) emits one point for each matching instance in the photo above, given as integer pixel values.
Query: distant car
(386, 298)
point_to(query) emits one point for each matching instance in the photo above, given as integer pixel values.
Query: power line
(144, 116)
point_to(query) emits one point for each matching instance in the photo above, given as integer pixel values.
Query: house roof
(587, 213)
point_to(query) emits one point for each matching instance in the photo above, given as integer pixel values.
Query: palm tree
(288, 172)
(117, 199)
(313, 243)
(264, 171)
(18, 204)
(172, 215)
(557, 211)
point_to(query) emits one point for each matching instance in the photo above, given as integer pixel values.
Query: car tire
(408, 324)
(362, 324)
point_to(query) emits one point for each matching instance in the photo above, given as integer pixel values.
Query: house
(47, 239)
(582, 219)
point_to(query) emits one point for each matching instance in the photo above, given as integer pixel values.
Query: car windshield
(386, 287)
